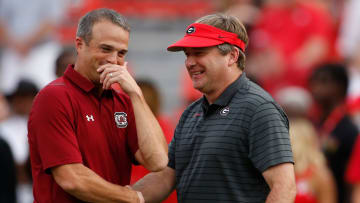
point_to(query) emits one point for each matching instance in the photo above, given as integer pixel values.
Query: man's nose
(112, 58)
(189, 61)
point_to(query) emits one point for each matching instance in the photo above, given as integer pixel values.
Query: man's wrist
(139, 194)
(141, 197)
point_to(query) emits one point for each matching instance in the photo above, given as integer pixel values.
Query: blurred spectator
(67, 56)
(328, 85)
(153, 99)
(14, 131)
(27, 36)
(295, 101)
(288, 40)
(353, 172)
(314, 181)
(7, 174)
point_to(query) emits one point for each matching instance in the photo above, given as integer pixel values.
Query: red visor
(203, 35)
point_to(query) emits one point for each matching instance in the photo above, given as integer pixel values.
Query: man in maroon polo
(87, 127)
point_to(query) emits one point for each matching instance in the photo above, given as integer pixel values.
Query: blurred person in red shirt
(288, 40)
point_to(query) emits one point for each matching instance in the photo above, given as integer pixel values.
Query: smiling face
(210, 71)
(108, 44)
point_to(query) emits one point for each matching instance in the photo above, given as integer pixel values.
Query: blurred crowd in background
(305, 53)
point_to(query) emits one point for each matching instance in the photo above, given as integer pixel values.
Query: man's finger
(125, 64)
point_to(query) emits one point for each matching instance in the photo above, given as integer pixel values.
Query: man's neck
(78, 68)
(98, 87)
(213, 96)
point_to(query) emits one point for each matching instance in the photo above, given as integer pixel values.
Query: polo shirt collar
(78, 79)
(230, 91)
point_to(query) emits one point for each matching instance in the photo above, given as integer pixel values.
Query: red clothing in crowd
(286, 30)
(305, 193)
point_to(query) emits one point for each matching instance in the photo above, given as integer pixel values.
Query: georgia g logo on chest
(120, 119)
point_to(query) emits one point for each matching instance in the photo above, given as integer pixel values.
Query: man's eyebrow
(124, 51)
(106, 46)
(112, 47)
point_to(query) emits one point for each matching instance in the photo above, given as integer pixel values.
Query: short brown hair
(87, 22)
(229, 24)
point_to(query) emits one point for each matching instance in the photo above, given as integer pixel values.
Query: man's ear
(79, 44)
(234, 56)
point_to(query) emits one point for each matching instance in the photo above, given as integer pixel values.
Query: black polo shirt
(219, 151)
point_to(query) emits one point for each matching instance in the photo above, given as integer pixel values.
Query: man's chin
(199, 88)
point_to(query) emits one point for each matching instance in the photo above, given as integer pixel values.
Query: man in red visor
(231, 145)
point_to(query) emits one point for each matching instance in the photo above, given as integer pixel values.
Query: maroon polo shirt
(69, 123)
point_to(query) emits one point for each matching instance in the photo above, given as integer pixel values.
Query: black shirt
(219, 151)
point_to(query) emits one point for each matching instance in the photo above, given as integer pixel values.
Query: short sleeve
(171, 154)
(52, 129)
(269, 142)
(172, 149)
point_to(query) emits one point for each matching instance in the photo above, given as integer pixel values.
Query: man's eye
(106, 49)
(121, 54)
